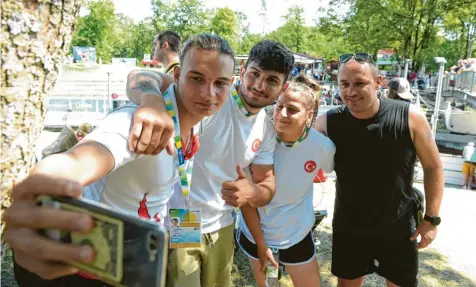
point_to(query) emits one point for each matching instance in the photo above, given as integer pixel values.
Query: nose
(260, 85)
(208, 92)
(351, 92)
(283, 113)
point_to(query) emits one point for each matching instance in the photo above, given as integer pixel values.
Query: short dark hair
(273, 56)
(208, 42)
(170, 37)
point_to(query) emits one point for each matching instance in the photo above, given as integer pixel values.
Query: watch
(434, 220)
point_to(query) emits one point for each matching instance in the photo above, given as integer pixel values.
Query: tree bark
(34, 38)
(470, 39)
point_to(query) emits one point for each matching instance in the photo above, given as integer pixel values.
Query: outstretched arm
(153, 128)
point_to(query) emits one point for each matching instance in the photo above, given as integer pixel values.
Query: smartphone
(129, 251)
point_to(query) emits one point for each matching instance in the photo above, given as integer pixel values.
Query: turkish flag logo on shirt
(256, 144)
(143, 211)
(310, 166)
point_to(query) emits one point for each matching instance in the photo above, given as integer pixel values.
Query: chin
(203, 113)
(282, 127)
(257, 104)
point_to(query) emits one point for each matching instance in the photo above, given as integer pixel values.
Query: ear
(285, 86)
(177, 74)
(242, 72)
(378, 82)
(165, 45)
(310, 116)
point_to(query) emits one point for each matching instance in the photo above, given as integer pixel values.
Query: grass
(434, 269)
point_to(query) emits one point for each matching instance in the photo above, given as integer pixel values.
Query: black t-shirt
(374, 163)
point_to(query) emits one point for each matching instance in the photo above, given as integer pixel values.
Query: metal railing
(465, 81)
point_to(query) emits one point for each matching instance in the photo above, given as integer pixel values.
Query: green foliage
(294, 32)
(225, 23)
(186, 17)
(415, 29)
(97, 29)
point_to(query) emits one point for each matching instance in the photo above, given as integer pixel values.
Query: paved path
(456, 234)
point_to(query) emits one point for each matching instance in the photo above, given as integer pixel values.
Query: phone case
(129, 251)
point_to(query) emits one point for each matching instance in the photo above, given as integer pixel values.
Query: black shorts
(389, 253)
(300, 253)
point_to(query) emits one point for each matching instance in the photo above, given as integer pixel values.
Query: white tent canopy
(303, 59)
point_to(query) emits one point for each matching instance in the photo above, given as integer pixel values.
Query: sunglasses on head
(359, 57)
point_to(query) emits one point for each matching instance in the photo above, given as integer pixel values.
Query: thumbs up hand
(237, 193)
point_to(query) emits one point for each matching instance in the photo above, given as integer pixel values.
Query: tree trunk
(462, 40)
(470, 39)
(35, 37)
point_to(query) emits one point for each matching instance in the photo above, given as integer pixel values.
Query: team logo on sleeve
(256, 144)
(310, 166)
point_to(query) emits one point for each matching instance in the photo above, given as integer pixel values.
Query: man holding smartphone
(138, 185)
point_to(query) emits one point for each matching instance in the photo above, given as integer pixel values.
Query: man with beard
(240, 135)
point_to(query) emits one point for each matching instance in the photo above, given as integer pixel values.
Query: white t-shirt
(137, 184)
(227, 138)
(287, 219)
(468, 152)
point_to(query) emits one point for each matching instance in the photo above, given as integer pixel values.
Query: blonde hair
(310, 90)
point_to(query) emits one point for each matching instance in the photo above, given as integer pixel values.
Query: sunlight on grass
(435, 270)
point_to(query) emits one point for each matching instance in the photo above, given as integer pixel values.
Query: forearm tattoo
(145, 82)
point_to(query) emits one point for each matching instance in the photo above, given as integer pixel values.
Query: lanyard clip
(187, 203)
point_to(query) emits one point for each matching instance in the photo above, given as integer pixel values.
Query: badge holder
(184, 223)
(185, 227)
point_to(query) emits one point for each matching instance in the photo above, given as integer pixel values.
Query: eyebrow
(290, 105)
(271, 76)
(355, 80)
(200, 74)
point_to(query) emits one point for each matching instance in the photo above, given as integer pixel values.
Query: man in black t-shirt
(377, 141)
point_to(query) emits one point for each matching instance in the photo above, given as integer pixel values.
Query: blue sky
(139, 9)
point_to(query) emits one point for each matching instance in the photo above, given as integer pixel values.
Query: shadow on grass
(435, 270)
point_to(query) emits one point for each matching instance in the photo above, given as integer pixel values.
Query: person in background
(473, 160)
(399, 89)
(468, 165)
(166, 50)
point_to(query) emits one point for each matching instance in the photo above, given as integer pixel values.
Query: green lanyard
(303, 136)
(185, 173)
(239, 103)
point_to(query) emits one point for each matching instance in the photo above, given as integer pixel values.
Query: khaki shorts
(206, 266)
(468, 168)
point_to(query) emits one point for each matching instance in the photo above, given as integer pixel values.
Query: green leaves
(416, 29)
(97, 29)
(186, 17)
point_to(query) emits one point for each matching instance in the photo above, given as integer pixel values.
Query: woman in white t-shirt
(286, 222)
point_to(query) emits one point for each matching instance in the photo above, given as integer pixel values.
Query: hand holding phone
(24, 217)
(128, 251)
